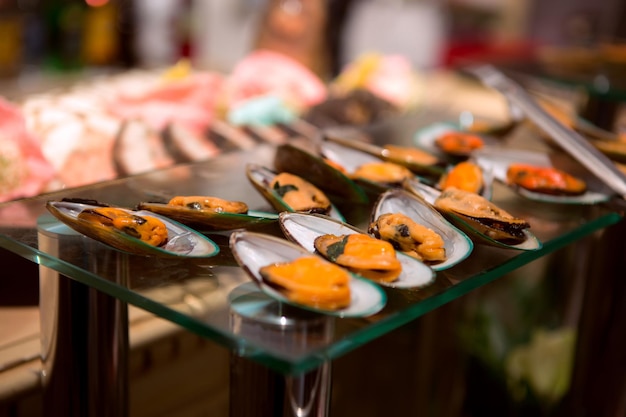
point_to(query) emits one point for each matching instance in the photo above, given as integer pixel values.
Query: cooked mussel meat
(311, 281)
(382, 172)
(145, 228)
(362, 254)
(208, 203)
(300, 194)
(483, 215)
(408, 155)
(459, 143)
(410, 237)
(465, 175)
(546, 180)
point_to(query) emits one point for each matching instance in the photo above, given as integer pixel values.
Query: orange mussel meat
(311, 281)
(362, 254)
(459, 143)
(146, 228)
(465, 176)
(213, 204)
(547, 180)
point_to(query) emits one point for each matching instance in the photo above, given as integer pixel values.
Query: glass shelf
(214, 298)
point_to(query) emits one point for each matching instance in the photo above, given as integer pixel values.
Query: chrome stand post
(84, 337)
(255, 390)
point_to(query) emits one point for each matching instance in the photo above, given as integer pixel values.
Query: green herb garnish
(281, 190)
(336, 249)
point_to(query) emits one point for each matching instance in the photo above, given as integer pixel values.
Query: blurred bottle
(11, 26)
(64, 30)
(100, 43)
(34, 41)
(157, 30)
(297, 28)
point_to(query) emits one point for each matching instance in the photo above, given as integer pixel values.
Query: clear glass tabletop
(214, 298)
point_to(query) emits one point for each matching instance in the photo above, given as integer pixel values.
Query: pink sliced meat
(139, 148)
(24, 171)
(190, 101)
(267, 72)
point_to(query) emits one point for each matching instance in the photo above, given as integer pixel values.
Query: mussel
(290, 273)
(209, 213)
(311, 281)
(381, 172)
(414, 226)
(299, 194)
(360, 253)
(209, 203)
(286, 191)
(414, 159)
(410, 237)
(483, 215)
(459, 143)
(329, 176)
(465, 175)
(147, 229)
(451, 142)
(372, 174)
(133, 231)
(544, 179)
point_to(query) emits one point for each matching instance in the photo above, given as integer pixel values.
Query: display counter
(86, 285)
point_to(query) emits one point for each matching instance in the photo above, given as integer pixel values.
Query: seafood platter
(349, 216)
(423, 217)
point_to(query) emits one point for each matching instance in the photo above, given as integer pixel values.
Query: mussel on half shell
(483, 215)
(372, 174)
(456, 245)
(305, 229)
(257, 253)
(209, 213)
(320, 172)
(133, 231)
(362, 254)
(554, 178)
(544, 179)
(289, 192)
(465, 175)
(414, 159)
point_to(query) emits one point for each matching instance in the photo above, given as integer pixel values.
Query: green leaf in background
(544, 365)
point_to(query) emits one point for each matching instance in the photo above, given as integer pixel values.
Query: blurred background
(70, 35)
